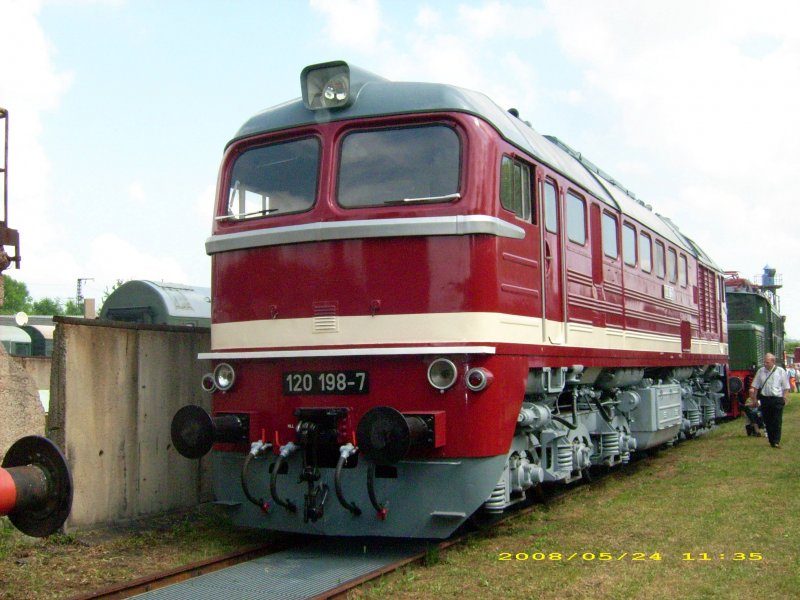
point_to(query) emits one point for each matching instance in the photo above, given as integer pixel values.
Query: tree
(73, 308)
(107, 292)
(17, 297)
(47, 306)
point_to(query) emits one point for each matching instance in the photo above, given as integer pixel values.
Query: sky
(120, 111)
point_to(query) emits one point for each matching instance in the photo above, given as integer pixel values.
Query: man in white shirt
(771, 383)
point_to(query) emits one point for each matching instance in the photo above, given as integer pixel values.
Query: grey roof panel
(376, 96)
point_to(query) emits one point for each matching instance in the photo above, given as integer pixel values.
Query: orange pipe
(8, 492)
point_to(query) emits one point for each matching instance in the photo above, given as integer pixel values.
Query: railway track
(182, 573)
(299, 568)
(294, 569)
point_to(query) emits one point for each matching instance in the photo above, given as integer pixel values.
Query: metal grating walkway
(293, 574)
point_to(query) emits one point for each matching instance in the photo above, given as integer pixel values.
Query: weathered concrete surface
(113, 393)
(38, 367)
(21, 412)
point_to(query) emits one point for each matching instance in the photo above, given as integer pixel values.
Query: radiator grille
(325, 317)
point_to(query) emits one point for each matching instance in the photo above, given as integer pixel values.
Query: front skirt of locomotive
(419, 498)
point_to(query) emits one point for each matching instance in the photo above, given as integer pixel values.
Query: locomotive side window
(275, 179)
(396, 166)
(683, 272)
(672, 265)
(610, 246)
(515, 187)
(629, 244)
(660, 259)
(645, 252)
(550, 206)
(576, 218)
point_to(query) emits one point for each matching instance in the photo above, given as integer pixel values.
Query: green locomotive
(755, 327)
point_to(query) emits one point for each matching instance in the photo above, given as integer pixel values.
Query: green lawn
(727, 501)
(715, 517)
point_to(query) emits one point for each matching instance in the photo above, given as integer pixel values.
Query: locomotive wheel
(587, 475)
(536, 494)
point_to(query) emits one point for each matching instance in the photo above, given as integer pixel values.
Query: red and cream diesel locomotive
(422, 308)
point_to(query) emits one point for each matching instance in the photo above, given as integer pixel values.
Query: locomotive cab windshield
(393, 166)
(276, 178)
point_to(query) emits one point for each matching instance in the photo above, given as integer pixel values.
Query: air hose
(345, 452)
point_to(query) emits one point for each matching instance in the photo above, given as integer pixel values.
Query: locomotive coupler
(315, 502)
(308, 434)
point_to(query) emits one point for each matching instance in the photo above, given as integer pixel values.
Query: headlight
(224, 376)
(207, 382)
(442, 373)
(326, 85)
(478, 379)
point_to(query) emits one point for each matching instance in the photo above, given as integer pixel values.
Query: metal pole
(4, 116)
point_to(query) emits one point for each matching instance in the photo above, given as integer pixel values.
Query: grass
(723, 493)
(728, 502)
(63, 566)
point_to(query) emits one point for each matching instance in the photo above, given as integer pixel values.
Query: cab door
(553, 326)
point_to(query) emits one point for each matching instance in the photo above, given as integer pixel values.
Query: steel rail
(184, 573)
(340, 592)
(187, 572)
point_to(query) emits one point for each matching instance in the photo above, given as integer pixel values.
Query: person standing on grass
(791, 371)
(771, 387)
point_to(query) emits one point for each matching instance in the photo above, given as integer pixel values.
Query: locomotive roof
(377, 96)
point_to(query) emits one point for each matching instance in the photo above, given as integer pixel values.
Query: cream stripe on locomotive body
(438, 329)
(422, 308)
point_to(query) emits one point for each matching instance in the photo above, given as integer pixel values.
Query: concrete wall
(21, 412)
(114, 390)
(38, 367)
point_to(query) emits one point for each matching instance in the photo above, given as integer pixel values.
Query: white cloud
(136, 193)
(352, 24)
(203, 205)
(112, 3)
(428, 17)
(707, 93)
(112, 258)
(30, 85)
(500, 20)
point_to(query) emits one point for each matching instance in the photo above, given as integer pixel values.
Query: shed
(16, 341)
(150, 302)
(41, 339)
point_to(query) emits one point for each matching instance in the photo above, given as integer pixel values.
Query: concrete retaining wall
(21, 412)
(38, 367)
(114, 390)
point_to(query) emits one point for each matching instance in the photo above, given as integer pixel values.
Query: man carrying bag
(771, 384)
